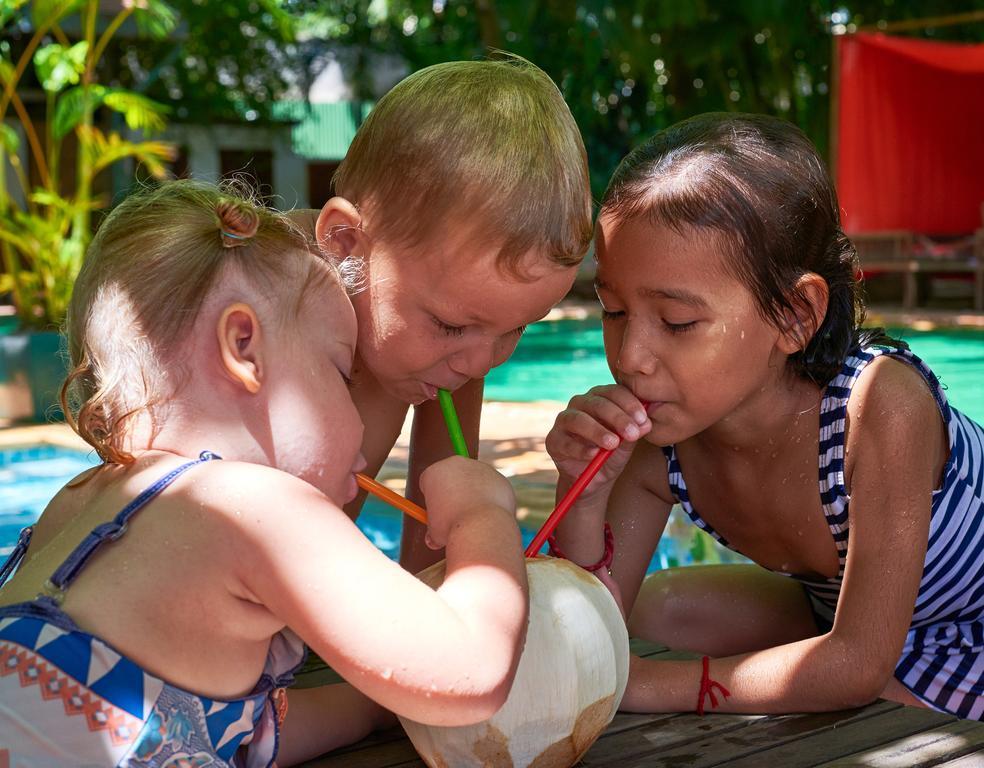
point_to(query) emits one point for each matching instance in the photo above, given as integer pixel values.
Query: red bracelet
(707, 687)
(606, 558)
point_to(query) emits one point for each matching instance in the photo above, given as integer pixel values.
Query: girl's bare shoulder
(892, 416)
(890, 392)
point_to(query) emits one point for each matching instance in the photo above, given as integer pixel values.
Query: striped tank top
(942, 660)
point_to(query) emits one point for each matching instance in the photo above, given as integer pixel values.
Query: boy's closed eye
(447, 328)
(456, 330)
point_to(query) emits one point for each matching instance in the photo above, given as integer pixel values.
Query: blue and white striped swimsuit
(69, 698)
(942, 661)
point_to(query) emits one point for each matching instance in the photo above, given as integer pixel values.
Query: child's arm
(630, 491)
(429, 443)
(444, 657)
(895, 452)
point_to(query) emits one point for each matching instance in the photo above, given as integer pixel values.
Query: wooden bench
(881, 735)
(897, 251)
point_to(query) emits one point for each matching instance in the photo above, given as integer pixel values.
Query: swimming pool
(560, 358)
(30, 476)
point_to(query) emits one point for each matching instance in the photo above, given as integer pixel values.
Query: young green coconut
(568, 686)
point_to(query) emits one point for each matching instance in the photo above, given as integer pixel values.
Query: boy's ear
(809, 299)
(339, 229)
(241, 346)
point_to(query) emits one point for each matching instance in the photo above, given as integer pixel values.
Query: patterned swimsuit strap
(61, 579)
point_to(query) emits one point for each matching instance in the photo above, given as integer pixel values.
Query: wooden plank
(717, 739)
(887, 724)
(653, 739)
(922, 750)
(973, 760)
(757, 739)
(388, 754)
(626, 721)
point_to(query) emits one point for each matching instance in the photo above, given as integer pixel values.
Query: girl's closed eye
(446, 328)
(607, 314)
(680, 327)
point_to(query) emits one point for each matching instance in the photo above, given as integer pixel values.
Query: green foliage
(236, 60)
(42, 241)
(628, 69)
(58, 66)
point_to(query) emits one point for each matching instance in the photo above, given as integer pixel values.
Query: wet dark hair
(758, 182)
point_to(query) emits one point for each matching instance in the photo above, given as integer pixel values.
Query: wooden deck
(881, 735)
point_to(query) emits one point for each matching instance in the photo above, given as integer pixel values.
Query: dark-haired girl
(748, 393)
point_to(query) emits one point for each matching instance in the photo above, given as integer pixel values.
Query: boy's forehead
(484, 292)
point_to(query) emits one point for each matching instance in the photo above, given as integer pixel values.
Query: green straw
(454, 426)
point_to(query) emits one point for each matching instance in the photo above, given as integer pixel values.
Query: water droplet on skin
(742, 335)
(387, 673)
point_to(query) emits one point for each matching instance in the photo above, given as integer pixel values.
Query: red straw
(570, 497)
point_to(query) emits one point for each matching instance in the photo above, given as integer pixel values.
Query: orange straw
(406, 506)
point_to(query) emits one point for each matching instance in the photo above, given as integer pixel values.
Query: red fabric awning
(910, 134)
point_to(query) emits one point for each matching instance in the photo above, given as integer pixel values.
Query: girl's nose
(636, 354)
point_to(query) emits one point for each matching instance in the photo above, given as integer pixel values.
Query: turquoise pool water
(30, 476)
(561, 358)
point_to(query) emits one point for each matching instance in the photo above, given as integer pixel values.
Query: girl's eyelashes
(680, 327)
(671, 327)
(520, 331)
(446, 329)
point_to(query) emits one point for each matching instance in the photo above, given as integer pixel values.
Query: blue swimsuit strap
(15, 556)
(75, 562)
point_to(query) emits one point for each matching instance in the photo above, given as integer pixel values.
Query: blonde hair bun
(238, 222)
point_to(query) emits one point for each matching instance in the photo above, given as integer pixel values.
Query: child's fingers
(628, 402)
(613, 415)
(561, 445)
(585, 428)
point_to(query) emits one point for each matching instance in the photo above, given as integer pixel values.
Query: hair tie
(234, 237)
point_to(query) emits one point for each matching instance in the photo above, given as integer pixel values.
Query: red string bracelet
(707, 687)
(606, 558)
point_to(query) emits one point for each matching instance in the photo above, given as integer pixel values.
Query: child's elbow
(866, 686)
(481, 697)
(858, 695)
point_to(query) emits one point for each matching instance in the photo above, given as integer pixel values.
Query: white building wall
(204, 143)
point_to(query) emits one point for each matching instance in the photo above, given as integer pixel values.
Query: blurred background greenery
(98, 94)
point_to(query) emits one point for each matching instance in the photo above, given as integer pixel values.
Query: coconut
(568, 686)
